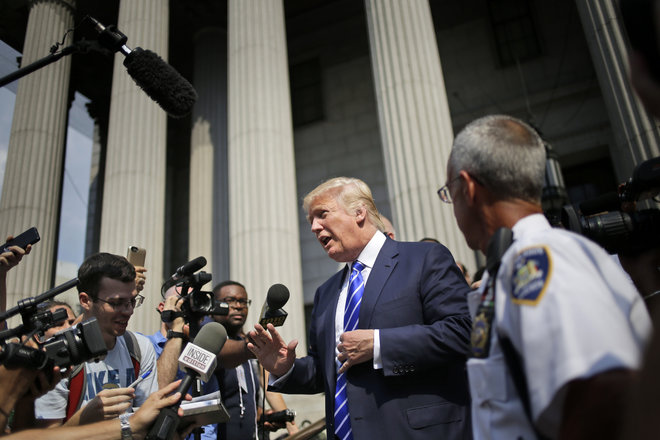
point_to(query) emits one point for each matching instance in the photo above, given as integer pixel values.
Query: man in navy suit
(404, 364)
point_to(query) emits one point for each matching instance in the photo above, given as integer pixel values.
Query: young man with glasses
(107, 291)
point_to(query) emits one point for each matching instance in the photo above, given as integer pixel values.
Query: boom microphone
(198, 359)
(151, 73)
(272, 312)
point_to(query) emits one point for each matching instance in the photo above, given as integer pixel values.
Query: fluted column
(209, 224)
(635, 133)
(134, 188)
(415, 124)
(31, 190)
(263, 224)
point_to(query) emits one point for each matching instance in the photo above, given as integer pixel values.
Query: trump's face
(336, 229)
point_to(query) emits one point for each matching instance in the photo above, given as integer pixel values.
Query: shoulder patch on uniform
(531, 275)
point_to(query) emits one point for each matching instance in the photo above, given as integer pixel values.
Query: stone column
(134, 187)
(414, 118)
(263, 223)
(32, 185)
(208, 219)
(636, 136)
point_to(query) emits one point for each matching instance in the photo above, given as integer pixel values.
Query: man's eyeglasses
(132, 303)
(443, 192)
(237, 302)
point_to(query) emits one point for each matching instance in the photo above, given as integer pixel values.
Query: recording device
(196, 302)
(272, 312)
(33, 320)
(639, 21)
(72, 346)
(31, 236)
(613, 221)
(279, 417)
(210, 340)
(69, 347)
(77, 344)
(136, 255)
(150, 72)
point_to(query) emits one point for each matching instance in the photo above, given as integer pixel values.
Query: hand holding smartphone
(31, 236)
(136, 255)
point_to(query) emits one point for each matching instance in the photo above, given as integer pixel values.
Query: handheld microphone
(197, 359)
(271, 312)
(151, 73)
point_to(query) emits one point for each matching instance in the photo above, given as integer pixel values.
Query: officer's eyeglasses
(443, 192)
(132, 303)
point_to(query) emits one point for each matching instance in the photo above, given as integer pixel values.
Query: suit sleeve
(443, 334)
(307, 376)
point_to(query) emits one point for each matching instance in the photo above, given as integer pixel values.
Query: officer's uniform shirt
(570, 312)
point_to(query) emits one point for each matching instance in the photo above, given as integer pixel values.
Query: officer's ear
(468, 187)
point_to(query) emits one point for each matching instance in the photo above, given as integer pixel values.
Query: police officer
(559, 328)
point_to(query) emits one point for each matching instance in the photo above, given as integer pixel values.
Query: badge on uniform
(531, 275)
(480, 338)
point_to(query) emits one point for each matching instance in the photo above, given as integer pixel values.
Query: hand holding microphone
(198, 359)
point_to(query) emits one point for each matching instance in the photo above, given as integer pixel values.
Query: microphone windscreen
(191, 267)
(161, 82)
(211, 337)
(277, 296)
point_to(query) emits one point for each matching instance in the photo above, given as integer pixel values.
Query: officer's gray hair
(504, 154)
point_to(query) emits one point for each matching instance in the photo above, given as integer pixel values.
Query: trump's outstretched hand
(273, 353)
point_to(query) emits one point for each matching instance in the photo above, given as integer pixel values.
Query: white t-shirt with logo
(115, 371)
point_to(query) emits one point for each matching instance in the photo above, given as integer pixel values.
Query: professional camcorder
(613, 221)
(69, 347)
(196, 302)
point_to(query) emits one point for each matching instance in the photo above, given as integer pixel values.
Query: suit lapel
(383, 267)
(328, 326)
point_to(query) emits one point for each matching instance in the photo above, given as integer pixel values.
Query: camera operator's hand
(14, 384)
(140, 278)
(174, 303)
(108, 404)
(143, 419)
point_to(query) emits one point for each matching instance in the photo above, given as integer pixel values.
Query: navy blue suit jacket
(416, 296)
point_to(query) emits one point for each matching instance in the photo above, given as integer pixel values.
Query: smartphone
(31, 236)
(639, 21)
(136, 255)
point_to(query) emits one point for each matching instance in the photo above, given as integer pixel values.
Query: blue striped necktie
(351, 313)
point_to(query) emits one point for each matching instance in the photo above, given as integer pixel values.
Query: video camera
(69, 347)
(197, 303)
(613, 221)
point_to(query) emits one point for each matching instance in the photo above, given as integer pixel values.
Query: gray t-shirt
(115, 371)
